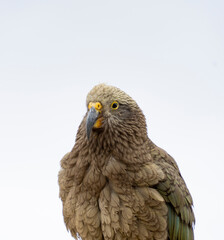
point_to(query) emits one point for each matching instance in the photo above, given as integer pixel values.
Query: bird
(115, 183)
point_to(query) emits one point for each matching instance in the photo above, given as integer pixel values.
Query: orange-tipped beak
(92, 118)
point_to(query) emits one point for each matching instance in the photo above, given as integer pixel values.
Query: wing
(64, 181)
(179, 201)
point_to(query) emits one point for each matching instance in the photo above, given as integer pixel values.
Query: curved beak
(91, 120)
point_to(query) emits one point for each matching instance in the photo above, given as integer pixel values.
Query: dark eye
(114, 105)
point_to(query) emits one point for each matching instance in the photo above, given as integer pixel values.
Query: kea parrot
(116, 184)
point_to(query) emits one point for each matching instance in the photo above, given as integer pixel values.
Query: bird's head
(112, 111)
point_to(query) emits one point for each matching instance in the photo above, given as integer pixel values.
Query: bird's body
(116, 184)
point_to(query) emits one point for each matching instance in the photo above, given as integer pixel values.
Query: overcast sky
(168, 55)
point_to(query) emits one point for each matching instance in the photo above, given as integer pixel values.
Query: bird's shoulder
(176, 194)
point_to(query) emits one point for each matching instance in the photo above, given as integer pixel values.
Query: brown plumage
(116, 184)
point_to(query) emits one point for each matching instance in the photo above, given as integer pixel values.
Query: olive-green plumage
(116, 184)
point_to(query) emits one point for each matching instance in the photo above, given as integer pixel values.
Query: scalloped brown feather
(119, 185)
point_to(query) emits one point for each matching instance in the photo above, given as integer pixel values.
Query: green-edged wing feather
(174, 190)
(178, 229)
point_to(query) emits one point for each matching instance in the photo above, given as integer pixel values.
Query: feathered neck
(125, 141)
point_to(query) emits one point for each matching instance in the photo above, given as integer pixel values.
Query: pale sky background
(168, 55)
